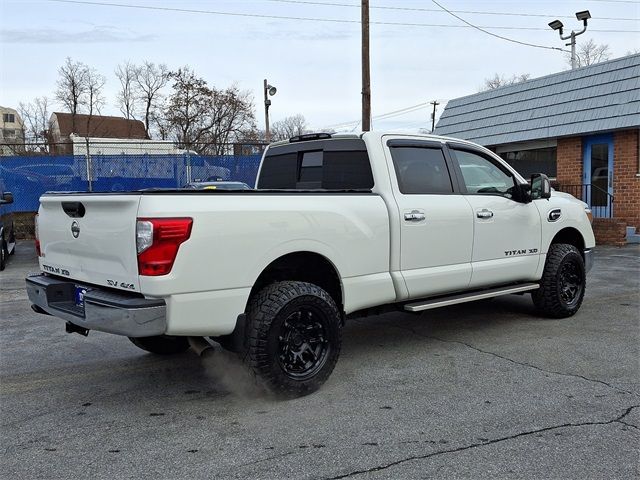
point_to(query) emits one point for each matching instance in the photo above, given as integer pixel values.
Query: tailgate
(90, 238)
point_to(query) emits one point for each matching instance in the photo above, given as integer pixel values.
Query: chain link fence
(103, 166)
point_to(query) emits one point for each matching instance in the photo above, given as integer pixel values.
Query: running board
(468, 297)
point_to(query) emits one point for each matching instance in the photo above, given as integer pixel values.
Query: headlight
(587, 210)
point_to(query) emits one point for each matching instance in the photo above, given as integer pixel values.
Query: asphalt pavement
(474, 391)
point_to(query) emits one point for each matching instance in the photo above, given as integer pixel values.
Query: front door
(507, 231)
(598, 175)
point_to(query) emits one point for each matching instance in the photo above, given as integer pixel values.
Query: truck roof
(379, 134)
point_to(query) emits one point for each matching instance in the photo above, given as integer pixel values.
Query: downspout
(638, 174)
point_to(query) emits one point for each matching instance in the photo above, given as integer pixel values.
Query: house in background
(11, 132)
(581, 127)
(63, 125)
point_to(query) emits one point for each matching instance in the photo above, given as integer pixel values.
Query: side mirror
(540, 186)
(7, 197)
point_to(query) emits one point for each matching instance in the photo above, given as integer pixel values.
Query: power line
(616, 1)
(495, 34)
(311, 19)
(383, 116)
(435, 10)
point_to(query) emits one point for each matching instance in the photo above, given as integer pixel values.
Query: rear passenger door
(436, 224)
(507, 229)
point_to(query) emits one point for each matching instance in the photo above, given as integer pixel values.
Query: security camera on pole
(269, 90)
(557, 25)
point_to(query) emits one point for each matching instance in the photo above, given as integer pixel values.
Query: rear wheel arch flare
(302, 266)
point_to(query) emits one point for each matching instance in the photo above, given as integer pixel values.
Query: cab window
(421, 170)
(333, 169)
(483, 177)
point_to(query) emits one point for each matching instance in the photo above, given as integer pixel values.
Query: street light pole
(573, 49)
(557, 25)
(267, 103)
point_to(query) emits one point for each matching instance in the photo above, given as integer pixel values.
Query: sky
(419, 53)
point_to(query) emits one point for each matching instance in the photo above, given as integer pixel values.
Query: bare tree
(72, 87)
(94, 99)
(160, 125)
(206, 119)
(498, 81)
(590, 52)
(150, 79)
(35, 116)
(188, 107)
(80, 89)
(128, 97)
(232, 118)
(288, 127)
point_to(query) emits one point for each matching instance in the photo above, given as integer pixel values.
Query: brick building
(581, 127)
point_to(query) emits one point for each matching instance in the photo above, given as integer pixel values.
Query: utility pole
(366, 73)
(433, 115)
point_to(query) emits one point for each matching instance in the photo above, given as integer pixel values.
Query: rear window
(325, 169)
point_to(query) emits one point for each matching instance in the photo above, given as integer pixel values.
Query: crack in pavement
(628, 424)
(618, 419)
(260, 460)
(524, 364)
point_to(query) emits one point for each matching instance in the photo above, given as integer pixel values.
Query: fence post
(89, 166)
(188, 166)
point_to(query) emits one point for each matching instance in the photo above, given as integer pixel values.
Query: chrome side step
(468, 297)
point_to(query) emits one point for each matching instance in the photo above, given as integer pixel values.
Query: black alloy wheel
(570, 283)
(303, 347)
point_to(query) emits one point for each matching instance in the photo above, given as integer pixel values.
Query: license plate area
(67, 297)
(78, 296)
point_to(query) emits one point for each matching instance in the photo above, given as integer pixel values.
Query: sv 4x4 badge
(115, 283)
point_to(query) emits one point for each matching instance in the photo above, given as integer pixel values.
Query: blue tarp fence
(28, 177)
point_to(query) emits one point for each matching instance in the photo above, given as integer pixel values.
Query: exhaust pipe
(73, 328)
(200, 346)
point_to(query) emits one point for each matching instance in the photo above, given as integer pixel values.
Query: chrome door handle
(414, 216)
(484, 213)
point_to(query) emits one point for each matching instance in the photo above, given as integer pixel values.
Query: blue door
(598, 174)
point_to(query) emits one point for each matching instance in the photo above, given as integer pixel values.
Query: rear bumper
(105, 311)
(588, 259)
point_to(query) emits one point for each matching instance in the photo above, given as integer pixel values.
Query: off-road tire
(272, 315)
(549, 299)
(162, 344)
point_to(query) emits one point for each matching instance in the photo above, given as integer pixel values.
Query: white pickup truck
(337, 226)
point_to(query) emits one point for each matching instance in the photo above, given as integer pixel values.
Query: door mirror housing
(7, 197)
(540, 186)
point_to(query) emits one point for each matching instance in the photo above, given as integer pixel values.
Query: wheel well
(303, 267)
(571, 236)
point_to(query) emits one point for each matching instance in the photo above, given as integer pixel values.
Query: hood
(555, 193)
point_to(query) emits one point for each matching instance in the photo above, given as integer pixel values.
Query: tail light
(37, 235)
(158, 241)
